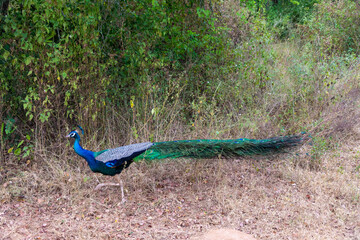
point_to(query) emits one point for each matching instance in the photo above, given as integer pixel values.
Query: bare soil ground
(270, 198)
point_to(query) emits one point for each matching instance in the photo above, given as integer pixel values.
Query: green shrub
(335, 27)
(283, 16)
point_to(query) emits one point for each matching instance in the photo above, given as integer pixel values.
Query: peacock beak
(67, 136)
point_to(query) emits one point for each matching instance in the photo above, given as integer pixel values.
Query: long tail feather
(204, 148)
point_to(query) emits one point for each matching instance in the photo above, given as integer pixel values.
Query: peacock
(114, 161)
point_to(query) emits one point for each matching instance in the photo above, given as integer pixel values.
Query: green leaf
(6, 55)
(55, 60)
(28, 137)
(28, 61)
(27, 153)
(17, 152)
(294, 2)
(22, 141)
(85, 179)
(155, 3)
(40, 40)
(10, 150)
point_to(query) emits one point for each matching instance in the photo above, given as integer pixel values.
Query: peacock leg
(123, 199)
(100, 185)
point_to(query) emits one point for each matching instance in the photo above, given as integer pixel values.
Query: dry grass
(270, 198)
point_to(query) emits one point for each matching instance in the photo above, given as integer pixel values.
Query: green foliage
(285, 15)
(319, 147)
(78, 61)
(22, 150)
(44, 48)
(164, 38)
(334, 29)
(21, 147)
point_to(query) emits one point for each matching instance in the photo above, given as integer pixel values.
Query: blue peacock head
(75, 134)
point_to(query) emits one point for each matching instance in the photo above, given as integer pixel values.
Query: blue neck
(88, 155)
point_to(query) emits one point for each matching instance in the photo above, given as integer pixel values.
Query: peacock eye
(72, 135)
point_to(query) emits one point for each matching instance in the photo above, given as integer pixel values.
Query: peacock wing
(118, 156)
